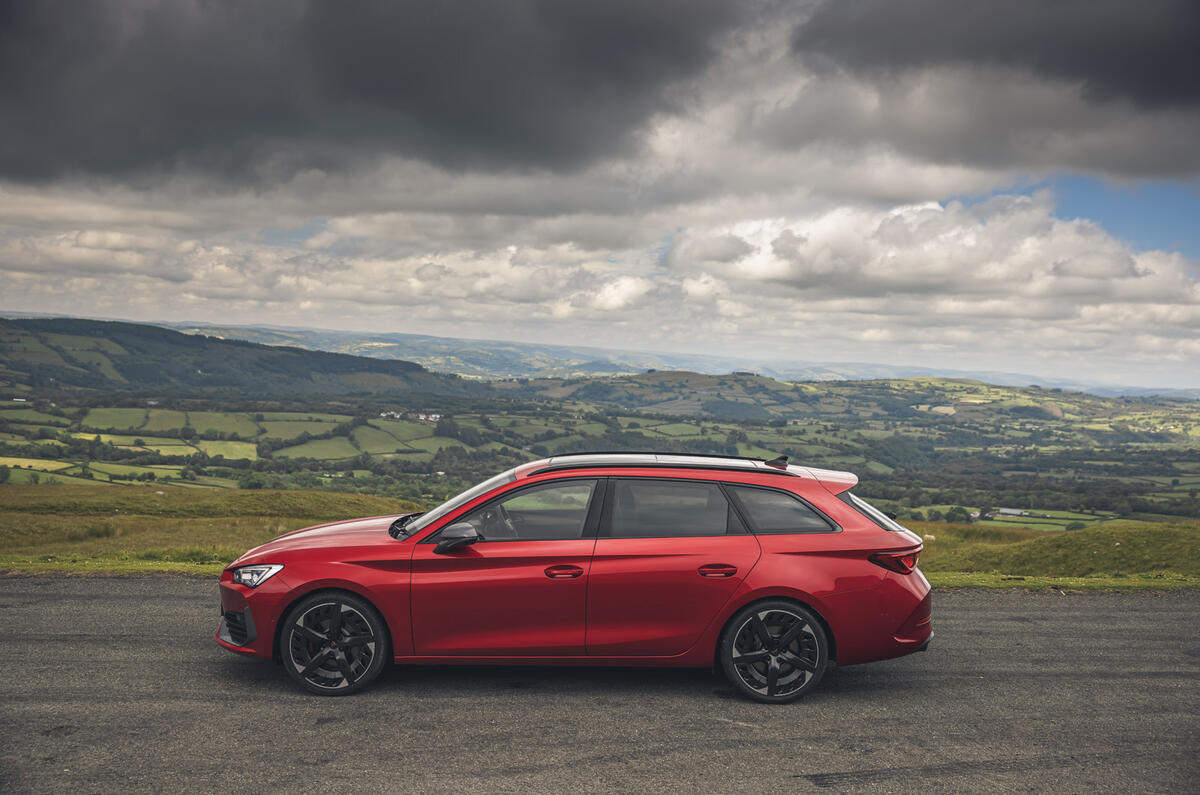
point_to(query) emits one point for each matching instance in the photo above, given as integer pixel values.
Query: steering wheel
(506, 517)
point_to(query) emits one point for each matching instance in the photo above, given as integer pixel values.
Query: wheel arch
(778, 597)
(323, 588)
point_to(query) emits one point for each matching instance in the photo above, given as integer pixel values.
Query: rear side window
(775, 512)
(646, 508)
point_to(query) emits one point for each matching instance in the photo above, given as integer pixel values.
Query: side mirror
(455, 536)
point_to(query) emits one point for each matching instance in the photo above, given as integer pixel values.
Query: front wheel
(774, 651)
(333, 644)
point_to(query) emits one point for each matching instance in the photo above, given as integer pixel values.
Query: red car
(770, 571)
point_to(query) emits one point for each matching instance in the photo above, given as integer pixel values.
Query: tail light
(900, 562)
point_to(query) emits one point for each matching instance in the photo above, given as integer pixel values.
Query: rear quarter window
(771, 512)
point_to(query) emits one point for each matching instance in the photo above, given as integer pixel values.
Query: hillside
(497, 359)
(746, 396)
(63, 355)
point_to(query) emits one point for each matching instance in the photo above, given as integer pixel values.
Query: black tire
(337, 662)
(774, 651)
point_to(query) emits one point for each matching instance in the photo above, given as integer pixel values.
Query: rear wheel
(774, 651)
(333, 644)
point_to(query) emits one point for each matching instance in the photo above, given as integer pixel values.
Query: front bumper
(249, 615)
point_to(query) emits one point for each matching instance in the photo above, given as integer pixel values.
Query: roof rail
(628, 458)
(663, 452)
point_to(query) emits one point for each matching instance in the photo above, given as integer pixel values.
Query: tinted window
(871, 512)
(550, 511)
(771, 511)
(664, 508)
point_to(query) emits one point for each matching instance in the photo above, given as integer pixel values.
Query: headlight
(255, 576)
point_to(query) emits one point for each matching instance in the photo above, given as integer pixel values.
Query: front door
(521, 590)
(669, 556)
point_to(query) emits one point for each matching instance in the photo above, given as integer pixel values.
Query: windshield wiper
(396, 530)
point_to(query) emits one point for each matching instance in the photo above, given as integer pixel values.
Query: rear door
(519, 591)
(669, 555)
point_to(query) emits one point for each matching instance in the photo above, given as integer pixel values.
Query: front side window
(775, 512)
(456, 502)
(665, 508)
(545, 512)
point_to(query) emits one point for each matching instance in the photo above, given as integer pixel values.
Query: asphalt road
(115, 683)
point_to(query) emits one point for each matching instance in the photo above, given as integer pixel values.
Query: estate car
(768, 571)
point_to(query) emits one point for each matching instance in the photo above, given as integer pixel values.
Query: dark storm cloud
(1145, 51)
(260, 89)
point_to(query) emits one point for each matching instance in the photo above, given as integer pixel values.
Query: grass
(40, 464)
(374, 441)
(315, 416)
(86, 529)
(290, 429)
(1113, 549)
(1137, 582)
(402, 430)
(223, 422)
(231, 450)
(165, 420)
(31, 415)
(333, 449)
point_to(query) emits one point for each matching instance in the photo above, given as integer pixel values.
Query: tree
(958, 514)
(5, 472)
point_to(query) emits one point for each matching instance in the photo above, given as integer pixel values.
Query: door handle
(717, 570)
(565, 572)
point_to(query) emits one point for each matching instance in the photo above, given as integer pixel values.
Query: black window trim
(604, 526)
(590, 523)
(834, 527)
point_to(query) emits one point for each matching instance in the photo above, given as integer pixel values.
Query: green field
(373, 440)
(165, 420)
(231, 450)
(402, 430)
(32, 416)
(223, 422)
(434, 443)
(33, 463)
(311, 416)
(116, 419)
(276, 429)
(323, 449)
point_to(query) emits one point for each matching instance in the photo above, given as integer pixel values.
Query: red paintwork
(636, 601)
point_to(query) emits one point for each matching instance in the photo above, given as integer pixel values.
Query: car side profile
(769, 571)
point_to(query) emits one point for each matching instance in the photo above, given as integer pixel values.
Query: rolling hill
(63, 355)
(495, 359)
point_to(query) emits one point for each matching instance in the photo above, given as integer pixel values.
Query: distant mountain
(756, 397)
(478, 360)
(70, 355)
(494, 359)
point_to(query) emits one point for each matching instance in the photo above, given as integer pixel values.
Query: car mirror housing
(455, 536)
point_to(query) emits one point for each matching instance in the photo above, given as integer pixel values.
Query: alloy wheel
(775, 652)
(331, 645)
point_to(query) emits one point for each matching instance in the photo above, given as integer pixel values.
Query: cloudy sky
(957, 183)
